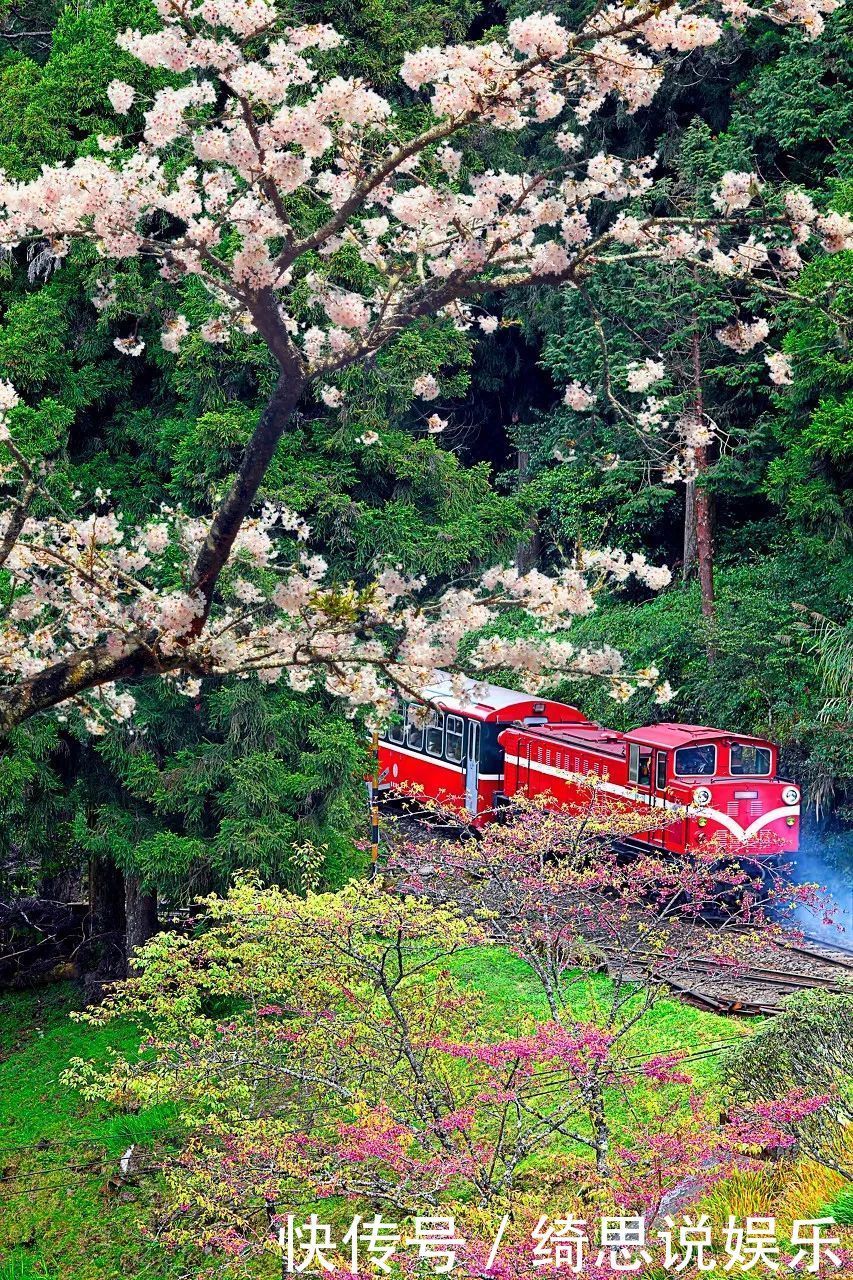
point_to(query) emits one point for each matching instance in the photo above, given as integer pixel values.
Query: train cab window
(415, 728)
(746, 758)
(639, 765)
(693, 761)
(435, 734)
(660, 771)
(454, 739)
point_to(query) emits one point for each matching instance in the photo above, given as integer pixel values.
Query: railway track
(846, 953)
(756, 989)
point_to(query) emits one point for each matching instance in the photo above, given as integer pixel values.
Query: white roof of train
(465, 693)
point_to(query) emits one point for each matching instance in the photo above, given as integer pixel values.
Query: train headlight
(701, 797)
(790, 795)
(790, 820)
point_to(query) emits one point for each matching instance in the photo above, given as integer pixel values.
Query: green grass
(513, 994)
(61, 1215)
(841, 1208)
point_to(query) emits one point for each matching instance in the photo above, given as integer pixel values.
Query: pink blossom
(426, 386)
(743, 335)
(174, 333)
(737, 191)
(132, 346)
(121, 96)
(643, 375)
(780, 368)
(9, 397)
(579, 397)
(215, 330)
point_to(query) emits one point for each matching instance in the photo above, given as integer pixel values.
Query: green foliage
(48, 112)
(34, 833)
(808, 1046)
(834, 648)
(782, 484)
(237, 777)
(243, 777)
(841, 1208)
(63, 1223)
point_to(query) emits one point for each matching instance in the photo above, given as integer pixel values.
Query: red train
(475, 750)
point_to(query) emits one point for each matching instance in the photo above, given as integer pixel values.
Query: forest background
(753, 633)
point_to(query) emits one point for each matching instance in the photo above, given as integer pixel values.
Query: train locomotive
(476, 749)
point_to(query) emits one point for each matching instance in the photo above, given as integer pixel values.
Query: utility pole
(373, 779)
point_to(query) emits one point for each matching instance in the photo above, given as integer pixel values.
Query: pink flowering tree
(322, 1050)
(262, 178)
(555, 887)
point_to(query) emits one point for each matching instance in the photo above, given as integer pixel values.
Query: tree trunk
(704, 514)
(690, 552)
(87, 668)
(140, 911)
(104, 956)
(600, 1130)
(705, 541)
(527, 552)
(237, 503)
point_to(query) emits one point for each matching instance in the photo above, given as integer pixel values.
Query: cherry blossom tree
(554, 885)
(258, 175)
(321, 1050)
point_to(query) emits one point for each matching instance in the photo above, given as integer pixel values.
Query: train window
(396, 731)
(415, 728)
(747, 758)
(660, 775)
(693, 761)
(435, 734)
(639, 765)
(454, 739)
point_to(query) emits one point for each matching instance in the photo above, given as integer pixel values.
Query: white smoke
(812, 866)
